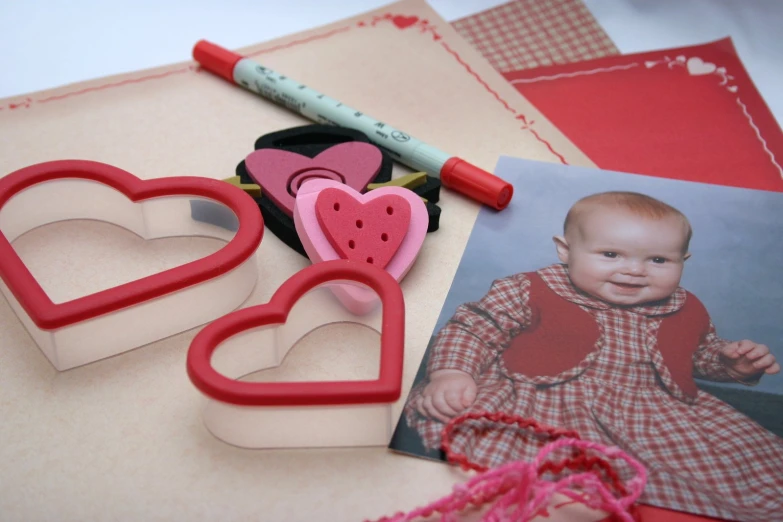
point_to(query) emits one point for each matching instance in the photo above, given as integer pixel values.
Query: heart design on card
(281, 173)
(368, 232)
(697, 67)
(404, 21)
(372, 208)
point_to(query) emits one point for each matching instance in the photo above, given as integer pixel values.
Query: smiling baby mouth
(628, 285)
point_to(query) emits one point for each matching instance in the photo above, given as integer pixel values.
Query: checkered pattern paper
(534, 33)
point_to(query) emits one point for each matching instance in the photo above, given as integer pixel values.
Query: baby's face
(626, 259)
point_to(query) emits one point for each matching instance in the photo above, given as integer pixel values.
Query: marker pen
(454, 173)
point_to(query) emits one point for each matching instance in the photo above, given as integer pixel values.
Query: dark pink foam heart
(365, 231)
(280, 173)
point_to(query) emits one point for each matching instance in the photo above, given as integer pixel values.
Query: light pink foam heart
(281, 173)
(319, 248)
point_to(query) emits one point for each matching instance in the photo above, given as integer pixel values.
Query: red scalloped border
(402, 22)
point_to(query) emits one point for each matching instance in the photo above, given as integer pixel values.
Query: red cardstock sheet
(690, 113)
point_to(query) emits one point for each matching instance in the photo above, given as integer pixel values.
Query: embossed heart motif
(320, 248)
(71, 189)
(696, 66)
(404, 21)
(281, 173)
(368, 232)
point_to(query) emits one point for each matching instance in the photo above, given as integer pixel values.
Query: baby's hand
(746, 359)
(447, 394)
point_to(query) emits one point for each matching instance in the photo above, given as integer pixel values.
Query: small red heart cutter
(118, 319)
(304, 413)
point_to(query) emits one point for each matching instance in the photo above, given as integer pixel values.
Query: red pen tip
(216, 59)
(476, 183)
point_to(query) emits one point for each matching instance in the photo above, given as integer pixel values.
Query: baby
(607, 343)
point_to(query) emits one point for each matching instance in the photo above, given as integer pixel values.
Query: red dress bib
(561, 334)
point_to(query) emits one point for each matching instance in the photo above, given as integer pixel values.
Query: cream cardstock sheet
(122, 438)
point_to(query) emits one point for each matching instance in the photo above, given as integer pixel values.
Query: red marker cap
(476, 183)
(216, 59)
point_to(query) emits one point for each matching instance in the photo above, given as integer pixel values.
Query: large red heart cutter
(124, 317)
(299, 414)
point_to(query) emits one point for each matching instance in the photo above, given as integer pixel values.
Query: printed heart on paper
(49, 316)
(386, 388)
(404, 21)
(281, 173)
(696, 66)
(319, 247)
(368, 232)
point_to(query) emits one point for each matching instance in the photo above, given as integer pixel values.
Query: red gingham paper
(534, 33)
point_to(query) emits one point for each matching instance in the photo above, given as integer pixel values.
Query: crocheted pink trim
(518, 491)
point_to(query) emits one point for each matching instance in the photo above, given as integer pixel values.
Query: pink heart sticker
(281, 173)
(319, 248)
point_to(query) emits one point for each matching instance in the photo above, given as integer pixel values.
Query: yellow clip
(251, 188)
(409, 181)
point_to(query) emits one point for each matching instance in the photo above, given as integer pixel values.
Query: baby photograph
(638, 312)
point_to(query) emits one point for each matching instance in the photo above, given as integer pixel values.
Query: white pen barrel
(322, 109)
(429, 159)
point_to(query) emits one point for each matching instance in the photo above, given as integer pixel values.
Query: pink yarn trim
(519, 493)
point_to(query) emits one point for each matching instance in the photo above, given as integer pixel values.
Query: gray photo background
(737, 245)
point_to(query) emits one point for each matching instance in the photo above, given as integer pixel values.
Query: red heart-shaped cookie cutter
(88, 328)
(271, 414)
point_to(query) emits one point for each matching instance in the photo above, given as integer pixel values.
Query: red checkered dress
(702, 455)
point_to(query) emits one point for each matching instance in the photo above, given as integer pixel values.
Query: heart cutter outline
(76, 323)
(319, 249)
(246, 413)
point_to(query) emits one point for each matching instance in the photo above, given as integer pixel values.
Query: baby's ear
(562, 248)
